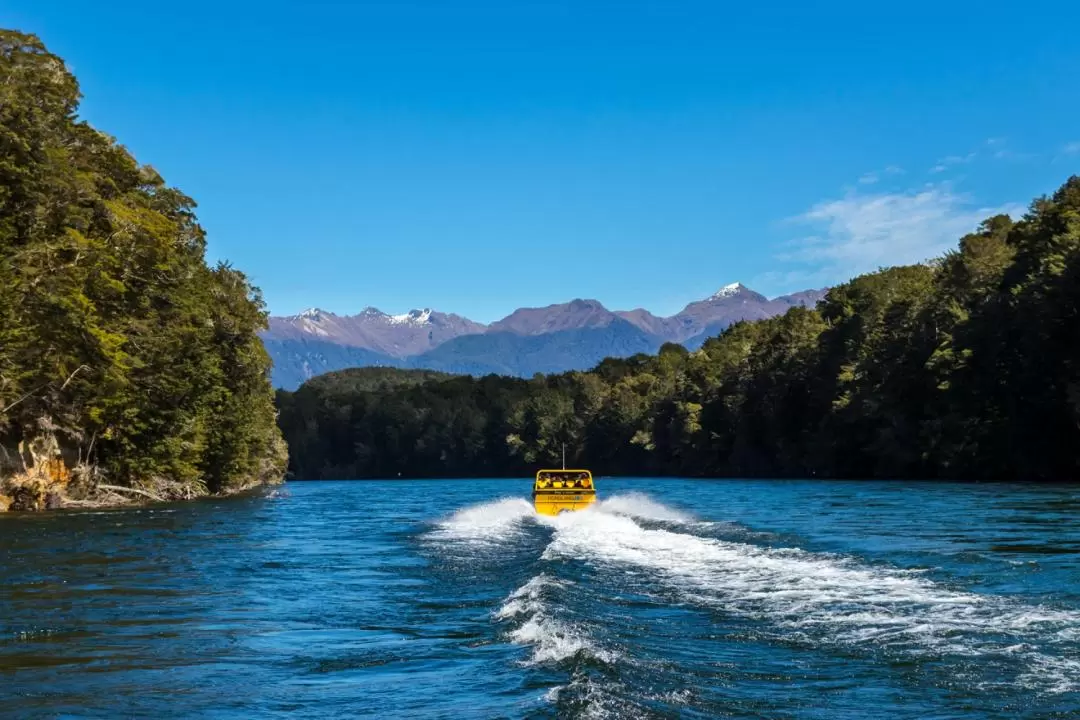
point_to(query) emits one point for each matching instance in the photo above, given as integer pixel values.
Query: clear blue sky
(476, 157)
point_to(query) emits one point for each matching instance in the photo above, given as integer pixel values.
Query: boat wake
(641, 506)
(553, 639)
(819, 598)
(489, 523)
(795, 597)
(503, 520)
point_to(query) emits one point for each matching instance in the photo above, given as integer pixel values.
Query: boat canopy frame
(559, 481)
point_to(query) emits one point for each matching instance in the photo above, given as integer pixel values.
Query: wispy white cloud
(947, 162)
(999, 150)
(864, 231)
(870, 226)
(872, 177)
(1007, 154)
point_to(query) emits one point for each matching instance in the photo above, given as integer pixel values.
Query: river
(452, 599)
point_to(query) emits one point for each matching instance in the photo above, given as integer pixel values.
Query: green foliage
(114, 333)
(415, 426)
(369, 379)
(967, 367)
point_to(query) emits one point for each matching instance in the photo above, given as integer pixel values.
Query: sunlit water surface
(452, 599)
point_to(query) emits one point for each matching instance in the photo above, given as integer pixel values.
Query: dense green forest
(125, 360)
(964, 367)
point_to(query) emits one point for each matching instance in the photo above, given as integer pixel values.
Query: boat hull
(559, 491)
(553, 503)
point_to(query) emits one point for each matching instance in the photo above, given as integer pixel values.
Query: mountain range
(567, 336)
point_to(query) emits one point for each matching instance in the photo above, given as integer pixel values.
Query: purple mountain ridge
(564, 336)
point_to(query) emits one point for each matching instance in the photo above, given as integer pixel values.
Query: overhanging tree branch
(42, 387)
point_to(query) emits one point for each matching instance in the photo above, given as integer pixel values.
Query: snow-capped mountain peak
(413, 317)
(311, 314)
(311, 321)
(571, 335)
(727, 291)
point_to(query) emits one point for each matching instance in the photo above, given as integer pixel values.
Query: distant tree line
(121, 350)
(965, 367)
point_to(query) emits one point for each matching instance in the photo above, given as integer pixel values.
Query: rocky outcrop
(40, 474)
(36, 476)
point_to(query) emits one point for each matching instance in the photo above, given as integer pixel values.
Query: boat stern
(557, 491)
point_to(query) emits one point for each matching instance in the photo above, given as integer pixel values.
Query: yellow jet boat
(557, 491)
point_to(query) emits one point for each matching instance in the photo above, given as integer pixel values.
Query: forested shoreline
(965, 367)
(129, 368)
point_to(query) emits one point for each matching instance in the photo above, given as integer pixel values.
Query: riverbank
(36, 496)
(52, 485)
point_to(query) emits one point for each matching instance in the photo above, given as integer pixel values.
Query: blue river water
(452, 599)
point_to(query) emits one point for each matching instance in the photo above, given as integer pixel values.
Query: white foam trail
(502, 519)
(490, 522)
(552, 639)
(1053, 674)
(597, 699)
(640, 505)
(526, 599)
(828, 597)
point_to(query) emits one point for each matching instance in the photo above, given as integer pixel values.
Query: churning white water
(797, 595)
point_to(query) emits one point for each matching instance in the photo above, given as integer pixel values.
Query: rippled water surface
(452, 599)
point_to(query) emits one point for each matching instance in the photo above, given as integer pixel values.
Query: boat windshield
(559, 479)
